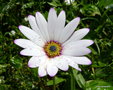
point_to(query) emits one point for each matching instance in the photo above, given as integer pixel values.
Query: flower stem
(54, 87)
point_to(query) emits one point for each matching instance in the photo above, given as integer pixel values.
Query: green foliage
(95, 14)
(98, 85)
(90, 10)
(57, 81)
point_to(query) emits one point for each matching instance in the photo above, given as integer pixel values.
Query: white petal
(30, 34)
(24, 43)
(42, 71)
(52, 69)
(80, 60)
(33, 24)
(62, 63)
(43, 66)
(79, 34)
(34, 62)
(78, 44)
(32, 52)
(52, 18)
(74, 65)
(76, 51)
(59, 25)
(42, 23)
(69, 29)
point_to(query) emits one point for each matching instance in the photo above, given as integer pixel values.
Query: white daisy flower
(53, 45)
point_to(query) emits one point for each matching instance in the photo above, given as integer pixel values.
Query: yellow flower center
(52, 49)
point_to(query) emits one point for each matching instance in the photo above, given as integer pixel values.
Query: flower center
(52, 49)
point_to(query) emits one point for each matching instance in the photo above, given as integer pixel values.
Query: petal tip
(51, 8)
(41, 75)
(20, 26)
(30, 16)
(21, 52)
(29, 65)
(63, 11)
(79, 69)
(92, 42)
(66, 69)
(88, 29)
(89, 51)
(37, 12)
(89, 63)
(78, 18)
(15, 41)
(51, 75)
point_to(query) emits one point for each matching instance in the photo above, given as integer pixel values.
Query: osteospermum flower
(53, 45)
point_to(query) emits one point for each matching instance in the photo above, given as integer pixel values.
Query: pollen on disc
(52, 49)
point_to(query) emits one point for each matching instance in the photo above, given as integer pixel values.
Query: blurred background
(95, 14)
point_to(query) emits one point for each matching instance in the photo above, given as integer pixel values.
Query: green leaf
(79, 78)
(72, 81)
(90, 10)
(27, 5)
(3, 68)
(17, 63)
(54, 3)
(57, 81)
(98, 85)
(96, 43)
(105, 3)
(4, 87)
(2, 79)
